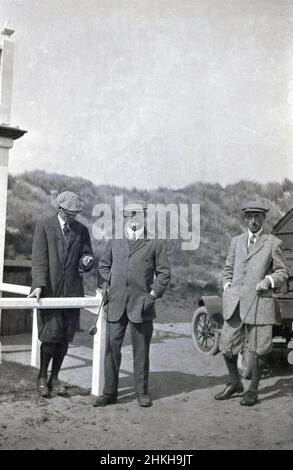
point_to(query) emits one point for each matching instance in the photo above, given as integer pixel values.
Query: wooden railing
(89, 303)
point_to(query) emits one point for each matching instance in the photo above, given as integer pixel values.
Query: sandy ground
(184, 414)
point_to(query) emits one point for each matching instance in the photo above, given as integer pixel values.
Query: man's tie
(66, 232)
(251, 242)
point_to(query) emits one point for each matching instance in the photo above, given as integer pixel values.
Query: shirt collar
(61, 221)
(256, 235)
(138, 233)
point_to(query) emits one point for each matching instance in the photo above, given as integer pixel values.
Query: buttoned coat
(245, 269)
(135, 272)
(56, 268)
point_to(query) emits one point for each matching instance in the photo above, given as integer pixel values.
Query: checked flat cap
(69, 201)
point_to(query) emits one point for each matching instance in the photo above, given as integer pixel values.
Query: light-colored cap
(254, 206)
(132, 207)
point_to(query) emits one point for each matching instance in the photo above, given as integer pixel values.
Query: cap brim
(129, 213)
(253, 209)
(74, 211)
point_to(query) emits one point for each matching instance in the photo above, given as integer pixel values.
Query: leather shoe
(229, 391)
(144, 400)
(57, 387)
(42, 387)
(249, 398)
(105, 400)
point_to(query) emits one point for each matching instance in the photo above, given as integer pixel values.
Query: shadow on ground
(18, 382)
(282, 388)
(168, 383)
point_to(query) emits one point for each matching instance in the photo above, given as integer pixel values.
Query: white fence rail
(90, 303)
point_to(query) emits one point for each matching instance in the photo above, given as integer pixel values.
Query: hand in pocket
(149, 302)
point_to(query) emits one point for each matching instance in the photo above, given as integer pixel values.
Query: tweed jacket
(244, 270)
(134, 273)
(55, 268)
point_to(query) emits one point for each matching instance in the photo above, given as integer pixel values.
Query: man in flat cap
(136, 269)
(61, 251)
(254, 267)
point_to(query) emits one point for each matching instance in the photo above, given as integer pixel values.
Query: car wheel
(205, 337)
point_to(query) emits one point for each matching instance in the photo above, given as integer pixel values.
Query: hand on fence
(103, 293)
(36, 293)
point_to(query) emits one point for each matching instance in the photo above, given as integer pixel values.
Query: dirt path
(184, 414)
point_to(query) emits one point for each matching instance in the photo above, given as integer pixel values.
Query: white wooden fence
(89, 303)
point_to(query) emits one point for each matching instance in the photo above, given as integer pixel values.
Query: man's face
(67, 216)
(255, 220)
(135, 221)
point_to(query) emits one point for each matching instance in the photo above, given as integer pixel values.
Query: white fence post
(99, 353)
(35, 340)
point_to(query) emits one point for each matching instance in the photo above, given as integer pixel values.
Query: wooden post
(99, 353)
(35, 340)
(47, 302)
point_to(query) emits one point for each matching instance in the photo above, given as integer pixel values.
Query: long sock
(258, 363)
(47, 352)
(231, 363)
(59, 354)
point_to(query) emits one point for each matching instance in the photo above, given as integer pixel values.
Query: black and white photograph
(146, 243)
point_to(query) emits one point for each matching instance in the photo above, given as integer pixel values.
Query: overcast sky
(152, 93)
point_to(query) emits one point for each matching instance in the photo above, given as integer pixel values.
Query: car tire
(205, 337)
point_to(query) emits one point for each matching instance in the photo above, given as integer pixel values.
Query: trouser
(56, 352)
(235, 335)
(57, 325)
(257, 339)
(141, 334)
(56, 330)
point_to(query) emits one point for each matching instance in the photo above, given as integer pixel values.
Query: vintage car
(208, 320)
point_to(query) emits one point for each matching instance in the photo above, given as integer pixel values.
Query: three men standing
(254, 267)
(135, 272)
(61, 250)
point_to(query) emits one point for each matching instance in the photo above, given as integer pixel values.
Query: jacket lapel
(62, 249)
(59, 235)
(243, 244)
(257, 246)
(138, 245)
(67, 249)
(57, 227)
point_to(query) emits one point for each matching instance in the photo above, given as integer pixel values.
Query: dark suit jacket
(55, 268)
(134, 273)
(244, 270)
